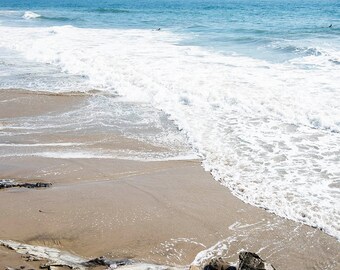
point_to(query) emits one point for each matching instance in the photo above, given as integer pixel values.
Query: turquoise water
(239, 26)
(253, 85)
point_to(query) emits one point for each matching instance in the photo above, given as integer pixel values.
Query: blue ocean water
(254, 85)
(240, 26)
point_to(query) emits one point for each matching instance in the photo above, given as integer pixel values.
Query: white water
(31, 15)
(269, 132)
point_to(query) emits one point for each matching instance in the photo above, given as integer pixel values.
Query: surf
(267, 131)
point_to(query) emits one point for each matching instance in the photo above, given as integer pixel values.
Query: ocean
(253, 86)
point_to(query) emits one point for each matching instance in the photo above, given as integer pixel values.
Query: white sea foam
(268, 131)
(30, 15)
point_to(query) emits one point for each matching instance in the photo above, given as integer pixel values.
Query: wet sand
(20, 103)
(156, 211)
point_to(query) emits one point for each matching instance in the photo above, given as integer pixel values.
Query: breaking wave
(268, 131)
(30, 15)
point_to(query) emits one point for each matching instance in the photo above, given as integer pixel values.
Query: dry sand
(156, 211)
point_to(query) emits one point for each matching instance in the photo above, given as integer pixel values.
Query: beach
(169, 135)
(156, 211)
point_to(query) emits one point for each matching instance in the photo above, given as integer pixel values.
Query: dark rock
(252, 261)
(214, 264)
(102, 261)
(247, 261)
(11, 184)
(6, 184)
(30, 258)
(35, 185)
(218, 264)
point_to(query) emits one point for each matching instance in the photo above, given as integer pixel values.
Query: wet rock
(102, 261)
(35, 185)
(11, 184)
(30, 258)
(58, 260)
(252, 261)
(247, 261)
(214, 264)
(6, 184)
(53, 256)
(218, 264)
(62, 260)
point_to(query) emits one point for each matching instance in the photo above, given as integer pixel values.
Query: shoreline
(162, 212)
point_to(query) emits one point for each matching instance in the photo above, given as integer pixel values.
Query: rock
(218, 264)
(4, 183)
(53, 256)
(58, 260)
(214, 264)
(252, 261)
(11, 184)
(107, 262)
(247, 261)
(30, 258)
(35, 185)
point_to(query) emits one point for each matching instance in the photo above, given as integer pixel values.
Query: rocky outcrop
(252, 261)
(247, 261)
(53, 256)
(56, 258)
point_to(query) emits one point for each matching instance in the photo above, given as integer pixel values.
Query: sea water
(253, 85)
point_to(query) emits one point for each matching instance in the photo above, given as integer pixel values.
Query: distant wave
(291, 48)
(110, 10)
(31, 15)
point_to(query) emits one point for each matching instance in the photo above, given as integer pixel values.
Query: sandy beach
(163, 212)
